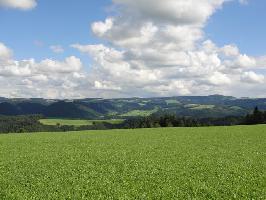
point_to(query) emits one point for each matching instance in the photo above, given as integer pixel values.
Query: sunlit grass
(170, 163)
(75, 122)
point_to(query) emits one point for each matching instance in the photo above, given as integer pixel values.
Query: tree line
(155, 121)
(31, 123)
(257, 117)
(174, 121)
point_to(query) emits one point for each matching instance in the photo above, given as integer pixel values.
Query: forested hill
(194, 106)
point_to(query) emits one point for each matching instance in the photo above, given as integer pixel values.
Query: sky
(132, 48)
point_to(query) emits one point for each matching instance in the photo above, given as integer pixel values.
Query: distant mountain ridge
(97, 108)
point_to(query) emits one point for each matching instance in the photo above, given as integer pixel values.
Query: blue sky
(124, 48)
(59, 22)
(52, 22)
(243, 25)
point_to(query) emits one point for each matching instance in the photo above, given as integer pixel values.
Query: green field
(140, 113)
(173, 101)
(199, 107)
(171, 163)
(75, 122)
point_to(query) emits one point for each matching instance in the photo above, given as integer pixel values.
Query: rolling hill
(194, 106)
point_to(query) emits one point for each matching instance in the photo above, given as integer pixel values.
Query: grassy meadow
(170, 163)
(76, 122)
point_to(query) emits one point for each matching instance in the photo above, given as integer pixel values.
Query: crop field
(170, 163)
(76, 122)
(139, 113)
(199, 107)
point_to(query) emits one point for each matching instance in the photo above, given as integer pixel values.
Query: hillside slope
(202, 106)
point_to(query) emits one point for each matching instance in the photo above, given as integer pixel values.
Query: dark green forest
(214, 106)
(23, 115)
(31, 123)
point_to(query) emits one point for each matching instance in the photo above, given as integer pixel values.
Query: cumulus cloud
(184, 12)
(16, 68)
(252, 77)
(147, 52)
(47, 78)
(70, 64)
(18, 4)
(105, 86)
(245, 61)
(57, 48)
(230, 50)
(100, 28)
(218, 78)
(164, 51)
(5, 52)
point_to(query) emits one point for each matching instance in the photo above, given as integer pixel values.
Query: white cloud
(18, 4)
(70, 64)
(11, 67)
(57, 48)
(182, 12)
(5, 53)
(105, 86)
(40, 77)
(164, 51)
(245, 61)
(47, 78)
(161, 51)
(252, 77)
(218, 78)
(100, 28)
(177, 87)
(16, 68)
(230, 50)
